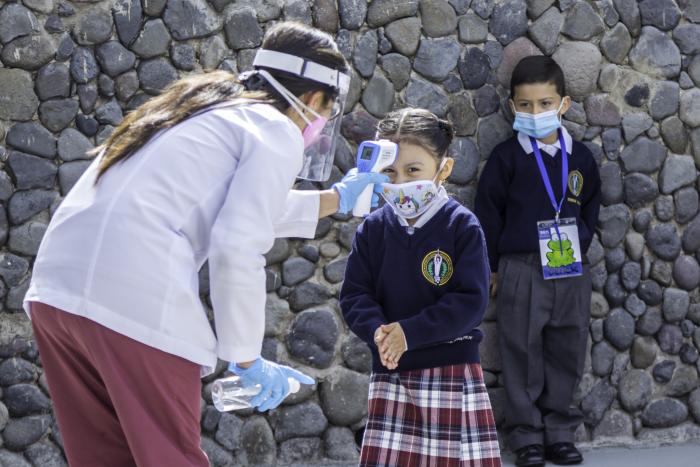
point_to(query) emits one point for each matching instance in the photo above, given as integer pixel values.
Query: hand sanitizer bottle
(230, 394)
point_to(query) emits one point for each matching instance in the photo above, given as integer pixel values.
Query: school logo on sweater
(575, 182)
(437, 267)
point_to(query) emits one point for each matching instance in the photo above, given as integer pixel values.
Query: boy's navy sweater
(511, 198)
(384, 283)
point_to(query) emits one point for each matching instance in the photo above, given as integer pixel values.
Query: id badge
(560, 253)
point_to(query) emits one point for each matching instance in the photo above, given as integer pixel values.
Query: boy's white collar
(525, 143)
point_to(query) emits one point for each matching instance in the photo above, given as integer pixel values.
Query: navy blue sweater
(391, 277)
(511, 197)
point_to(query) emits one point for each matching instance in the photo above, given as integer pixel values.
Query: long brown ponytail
(187, 96)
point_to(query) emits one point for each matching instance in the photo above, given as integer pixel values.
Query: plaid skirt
(437, 417)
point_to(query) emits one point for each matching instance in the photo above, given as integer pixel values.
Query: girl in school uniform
(415, 290)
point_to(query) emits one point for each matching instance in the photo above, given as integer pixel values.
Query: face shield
(319, 146)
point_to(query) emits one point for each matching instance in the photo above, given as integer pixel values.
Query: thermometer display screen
(367, 153)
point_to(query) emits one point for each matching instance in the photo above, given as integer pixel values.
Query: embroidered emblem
(575, 182)
(437, 267)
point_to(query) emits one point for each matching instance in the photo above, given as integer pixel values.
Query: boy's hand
(494, 284)
(392, 346)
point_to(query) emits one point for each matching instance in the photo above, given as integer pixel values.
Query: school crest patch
(437, 267)
(575, 182)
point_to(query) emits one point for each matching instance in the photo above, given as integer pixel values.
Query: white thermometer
(372, 156)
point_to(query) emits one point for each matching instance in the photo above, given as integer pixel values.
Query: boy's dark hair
(417, 126)
(537, 69)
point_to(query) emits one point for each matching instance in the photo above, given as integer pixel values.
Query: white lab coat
(127, 252)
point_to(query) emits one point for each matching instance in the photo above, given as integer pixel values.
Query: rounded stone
(643, 353)
(691, 236)
(436, 58)
(663, 240)
(684, 380)
(397, 68)
(378, 96)
(512, 54)
(688, 354)
(635, 306)
(597, 402)
(602, 357)
(31, 171)
(25, 204)
(404, 35)
(611, 184)
(678, 171)
(183, 56)
(665, 99)
(686, 272)
(93, 27)
(640, 189)
(355, 352)
(56, 114)
(334, 272)
(582, 22)
(25, 399)
(615, 424)
(631, 275)
(661, 272)
(492, 130)
(312, 337)
(242, 28)
(662, 14)
(340, 445)
(258, 446)
(614, 292)
(655, 54)
(694, 404)
(472, 29)
(69, 173)
(228, 433)
(687, 204)
(602, 111)
(670, 339)
(365, 54)
(156, 74)
(423, 94)
(474, 68)
(663, 371)
(642, 220)
(52, 80)
(690, 107)
(616, 43)
(16, 21)
(614, 259)
(83, 66)
(22, 432)
(190, 19)
(297, 270)
(17, 370)
(438, 17)
(301, 420)
(581, 63)
(599, 306)
(545, 31)
(381, 12)
(635, 389)
(352, 13)
(73, 145)
(29, 52)
(343, 396)
(508, 21)
(664, 413)
(619, 329)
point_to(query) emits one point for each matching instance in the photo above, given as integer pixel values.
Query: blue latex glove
(272, 379)
(353, 184)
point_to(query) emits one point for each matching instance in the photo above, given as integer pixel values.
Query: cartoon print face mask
(411, 199)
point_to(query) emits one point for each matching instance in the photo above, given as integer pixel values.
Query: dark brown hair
(537, 69)
(187, 96)
(417, 126)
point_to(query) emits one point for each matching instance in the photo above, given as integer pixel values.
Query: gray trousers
(543, 332)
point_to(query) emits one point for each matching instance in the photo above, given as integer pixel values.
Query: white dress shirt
(126, 252)
(550, 149)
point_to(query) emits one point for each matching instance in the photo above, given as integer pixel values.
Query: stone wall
(70, 70)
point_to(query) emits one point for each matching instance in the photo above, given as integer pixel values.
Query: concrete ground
(680, 455)
(683, 455)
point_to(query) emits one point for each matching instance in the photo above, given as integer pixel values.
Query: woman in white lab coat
(201, 172)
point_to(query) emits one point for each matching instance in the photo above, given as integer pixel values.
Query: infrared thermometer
(372, 156)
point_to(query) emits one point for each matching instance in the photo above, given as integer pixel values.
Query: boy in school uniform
(538, 200)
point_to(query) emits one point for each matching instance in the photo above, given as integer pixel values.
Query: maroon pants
(118, 402)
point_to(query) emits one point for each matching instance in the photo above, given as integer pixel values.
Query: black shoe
(563, 454)
(530, 456)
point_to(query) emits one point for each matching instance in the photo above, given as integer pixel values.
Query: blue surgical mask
(538, 125)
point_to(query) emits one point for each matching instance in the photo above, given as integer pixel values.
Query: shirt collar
(435, 206)
(550, 149)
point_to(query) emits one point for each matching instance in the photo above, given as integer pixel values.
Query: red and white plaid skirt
(436, 417)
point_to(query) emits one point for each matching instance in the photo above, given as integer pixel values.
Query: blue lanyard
(548, 184)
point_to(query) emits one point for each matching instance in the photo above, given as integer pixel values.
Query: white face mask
(411, 199)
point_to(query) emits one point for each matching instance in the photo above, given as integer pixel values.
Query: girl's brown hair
(187, 96)
(417, 126)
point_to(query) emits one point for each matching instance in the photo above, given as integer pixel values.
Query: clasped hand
(391, 343)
